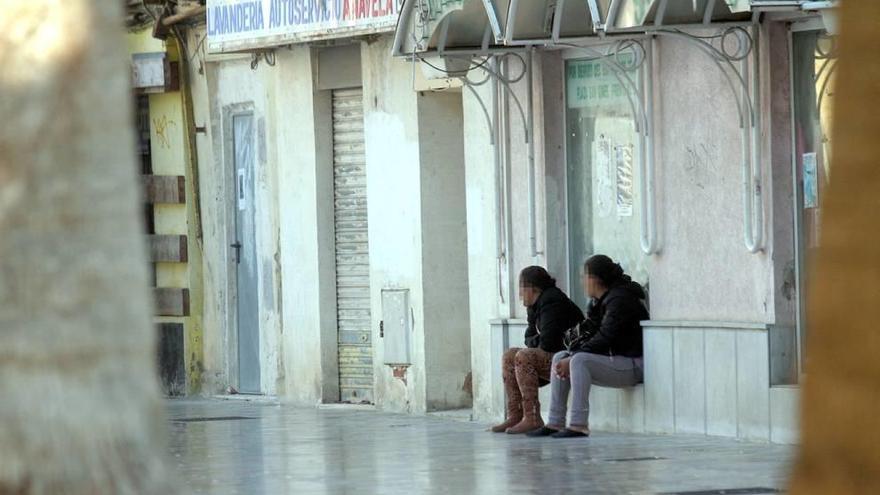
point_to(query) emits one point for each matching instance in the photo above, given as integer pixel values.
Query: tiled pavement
(264, 448)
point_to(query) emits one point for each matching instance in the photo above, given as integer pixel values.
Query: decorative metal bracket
(736, 45)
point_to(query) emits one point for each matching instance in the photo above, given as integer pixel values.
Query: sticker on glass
(604, 178)
(811, 187)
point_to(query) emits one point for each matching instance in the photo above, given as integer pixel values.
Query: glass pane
(632, 13)
(604, 6)
(813, 66)
(576, 20)
(685, 12)
(602, 165)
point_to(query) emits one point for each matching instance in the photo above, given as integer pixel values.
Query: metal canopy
(484, 26)
(449, 25)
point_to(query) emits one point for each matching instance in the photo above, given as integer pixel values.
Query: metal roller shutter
(352, 256)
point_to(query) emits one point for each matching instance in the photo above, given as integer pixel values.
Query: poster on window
(623, 158)
(604, 177)
(811, 190)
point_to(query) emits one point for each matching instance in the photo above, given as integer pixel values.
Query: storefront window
(813, 68)
(602, 150)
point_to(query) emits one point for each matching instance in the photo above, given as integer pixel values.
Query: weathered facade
(346, 171)
(393, 184)
(171, 217)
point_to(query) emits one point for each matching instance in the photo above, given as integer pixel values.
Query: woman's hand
(563, 369)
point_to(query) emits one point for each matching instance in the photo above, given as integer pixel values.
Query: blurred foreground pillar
(840, 450)
(80, 410)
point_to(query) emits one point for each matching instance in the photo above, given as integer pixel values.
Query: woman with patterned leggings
(550, 314)
(605, 349)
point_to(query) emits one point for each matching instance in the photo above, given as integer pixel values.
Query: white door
(244, 252)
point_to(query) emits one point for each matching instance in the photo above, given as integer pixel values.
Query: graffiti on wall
(162, 125)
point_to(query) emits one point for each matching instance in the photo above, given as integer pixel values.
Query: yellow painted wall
(143, 42)
(170, 156)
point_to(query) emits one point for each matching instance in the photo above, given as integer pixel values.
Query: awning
(483, 26)
(449, 25)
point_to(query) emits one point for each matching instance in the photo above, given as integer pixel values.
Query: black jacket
(613, 324)
(551, 315)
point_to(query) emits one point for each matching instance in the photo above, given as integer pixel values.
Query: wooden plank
(169, 248)
(171, 301)
(164, 189)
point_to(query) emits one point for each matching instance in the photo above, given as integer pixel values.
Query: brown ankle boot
(531, 418)
(514, 414)
(511, 421)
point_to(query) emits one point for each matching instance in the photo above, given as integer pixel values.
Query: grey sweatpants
(586, 370)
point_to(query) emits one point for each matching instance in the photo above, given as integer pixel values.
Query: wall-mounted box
(153, 73)
(396, 326)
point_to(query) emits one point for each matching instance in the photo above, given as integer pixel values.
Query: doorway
(814, 62)
(244, 257)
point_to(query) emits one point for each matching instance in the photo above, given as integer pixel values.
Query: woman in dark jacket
(605, 349)
(550, 314)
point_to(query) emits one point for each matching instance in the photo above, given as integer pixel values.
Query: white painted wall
(444, 251)
(394, 213)
(482, 247)
(305, 174)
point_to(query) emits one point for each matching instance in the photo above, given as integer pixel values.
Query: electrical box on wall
(396, 326)
(154, 73)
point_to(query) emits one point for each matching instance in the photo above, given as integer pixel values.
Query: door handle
(237, 247)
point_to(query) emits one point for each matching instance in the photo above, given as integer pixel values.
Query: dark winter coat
(613, 323)
(551, 315)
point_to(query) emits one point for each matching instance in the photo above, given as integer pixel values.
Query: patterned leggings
(522, 370)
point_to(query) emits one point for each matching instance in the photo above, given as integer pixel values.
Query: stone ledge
(731, 325)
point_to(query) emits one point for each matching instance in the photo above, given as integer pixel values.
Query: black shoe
(542, 432)
(569, 434)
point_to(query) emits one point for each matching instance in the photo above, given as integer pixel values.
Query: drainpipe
(649, 241)
(189, 118)
(496, 155)
(753, 218)
(507, 206)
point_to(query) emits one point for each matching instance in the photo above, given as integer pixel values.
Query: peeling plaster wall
(307, 231)
(394, 214)
(444, 254)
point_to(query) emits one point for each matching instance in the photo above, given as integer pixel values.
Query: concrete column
(444, 251)
(483, 265)
(305, 185)
(394, 214)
